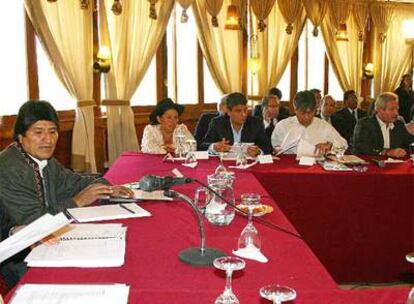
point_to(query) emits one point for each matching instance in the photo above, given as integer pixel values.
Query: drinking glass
(241, 159)
(277, 293)
(191, 146)
(221, 169)
(228, 264)
(249, 237)
(410, 300)
(179, 143)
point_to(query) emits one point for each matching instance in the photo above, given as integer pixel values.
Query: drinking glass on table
(221, 169)
(191, 147)
(249, 237)
(228, 264)
(277, 293)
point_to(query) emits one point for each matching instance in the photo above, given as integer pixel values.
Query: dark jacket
(202, 127)
(258, 112)
(406, 101)
(344, 122)
(6, 223)
(18, 187)
(368, 137)
(253, 131)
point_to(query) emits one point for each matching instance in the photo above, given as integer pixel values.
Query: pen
(126, 208)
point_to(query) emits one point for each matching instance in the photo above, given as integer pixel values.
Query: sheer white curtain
(65, 31)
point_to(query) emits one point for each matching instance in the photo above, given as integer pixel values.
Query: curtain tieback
(115, 102)
(86, 103)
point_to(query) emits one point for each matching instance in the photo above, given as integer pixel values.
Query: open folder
(71, 294)
(31, 234)
(83, 245)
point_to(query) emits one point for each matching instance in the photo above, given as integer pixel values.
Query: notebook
(107, 212)
(71, 294)
(31, 234)
(83, 245)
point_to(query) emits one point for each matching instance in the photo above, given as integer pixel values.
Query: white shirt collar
(383, 124)
(41, 163)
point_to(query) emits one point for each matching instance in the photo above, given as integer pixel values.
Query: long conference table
(155, 274)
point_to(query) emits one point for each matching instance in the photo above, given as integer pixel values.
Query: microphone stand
(196, 256)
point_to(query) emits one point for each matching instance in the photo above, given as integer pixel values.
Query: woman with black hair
(405, 96)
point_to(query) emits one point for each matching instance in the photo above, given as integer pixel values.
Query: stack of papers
(31, 234)
(107, 212)
(71, 294)
(84, 245)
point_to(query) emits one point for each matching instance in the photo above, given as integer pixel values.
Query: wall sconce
(102, 63)
(232, 20)
(341, 33)
(368, 71)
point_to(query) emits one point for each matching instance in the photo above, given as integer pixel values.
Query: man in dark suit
(282, 113)
(271, 113)
(236, 126)
(205, 118)
(382, 133)
(344, 120)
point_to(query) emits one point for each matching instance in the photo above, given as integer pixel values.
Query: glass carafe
(216, 210)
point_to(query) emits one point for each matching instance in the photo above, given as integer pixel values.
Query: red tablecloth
(155, 274)
(360, 225)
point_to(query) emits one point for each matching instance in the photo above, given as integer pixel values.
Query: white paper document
(71, 294)
(84, 245)
(305, 149)
(31, 234)
(107, 212)
(291, 141)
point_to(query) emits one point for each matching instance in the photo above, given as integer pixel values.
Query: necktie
(270, 128)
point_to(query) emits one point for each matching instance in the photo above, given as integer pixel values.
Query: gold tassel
(51, 0)
(361, 36)
(315, 32)
(261, 25)
(214, 21)
(116, 8)
(84, 4)
(382, 37)
(184, 16)
(153, 12)
(289, 29)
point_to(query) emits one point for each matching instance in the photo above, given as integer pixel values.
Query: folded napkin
(190, 165)
(243, 167)
(251, 252)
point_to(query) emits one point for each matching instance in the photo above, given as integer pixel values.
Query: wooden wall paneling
(293, 78)
(31, 59)
(326, 76)
(200, 75)
(368, 56)
(162, 69)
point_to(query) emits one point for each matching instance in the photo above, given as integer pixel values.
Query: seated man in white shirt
(306, 127)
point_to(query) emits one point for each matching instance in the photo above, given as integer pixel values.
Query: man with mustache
(32, 182)
(382, 133)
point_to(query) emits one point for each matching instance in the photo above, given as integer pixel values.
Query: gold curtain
(65, 32)
(315, 11)
(290, 10)
(133, 39)
(360, 13)
(392, 58)
(382, 15)
(222, 49)
(345, 56)
(275, 48)
(213, 7)
(339, 11)
(262, 8)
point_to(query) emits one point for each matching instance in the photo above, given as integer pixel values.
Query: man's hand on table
(222, 146)
(97, 191)
(253, 151)
(397, 153)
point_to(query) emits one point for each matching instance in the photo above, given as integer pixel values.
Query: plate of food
(258, 210)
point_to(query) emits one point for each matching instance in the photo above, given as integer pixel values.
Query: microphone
(151, 182)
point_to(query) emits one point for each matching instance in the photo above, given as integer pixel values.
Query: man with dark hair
(318, 99)
(305, 126)
(271, 113)
(32, 182)
(205, 118)
(274, 93)
(235, 127)
(346, 119)
(382, 133)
